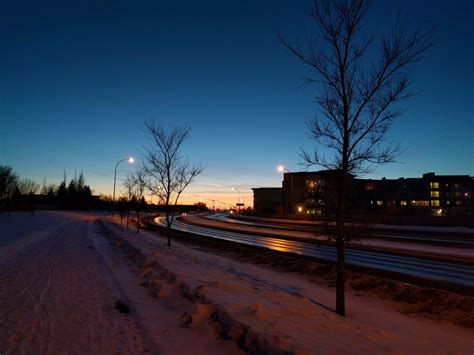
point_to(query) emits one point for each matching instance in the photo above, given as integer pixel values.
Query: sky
(79, 79)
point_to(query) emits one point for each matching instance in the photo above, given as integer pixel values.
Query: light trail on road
(383, 235)
(429, 269)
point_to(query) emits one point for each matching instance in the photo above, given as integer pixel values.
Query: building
(309, 192)
(437, 195)
(315, 193)
(267, 200)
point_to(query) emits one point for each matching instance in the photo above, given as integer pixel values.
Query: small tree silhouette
(170, 173)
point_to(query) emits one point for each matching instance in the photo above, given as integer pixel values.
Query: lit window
(466, 194)
(435, 203)
(420, 203)
(434, 185)
(458, 203)
(379, 203)
(403, 203)
(434, 193)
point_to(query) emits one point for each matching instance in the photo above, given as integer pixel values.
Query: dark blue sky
(78, 79)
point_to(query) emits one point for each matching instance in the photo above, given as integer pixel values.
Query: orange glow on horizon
(211, 200)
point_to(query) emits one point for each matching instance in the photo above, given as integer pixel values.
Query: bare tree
(359, 87)
(170, 173)
(140, 186)
(47, 189)
(28, 187)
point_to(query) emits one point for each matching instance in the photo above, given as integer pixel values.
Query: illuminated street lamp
(282, 169)
(130, 161)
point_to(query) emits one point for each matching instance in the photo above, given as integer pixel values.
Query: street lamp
(130, 161)
(238, 199)
(282, 169)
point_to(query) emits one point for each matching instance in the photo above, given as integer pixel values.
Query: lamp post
(282, 169)
(130, 160)
(238, 199)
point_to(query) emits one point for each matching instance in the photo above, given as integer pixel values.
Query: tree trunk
(138, 221)
(168, 232)
(168, 226)
(341, 276)
(340, 247)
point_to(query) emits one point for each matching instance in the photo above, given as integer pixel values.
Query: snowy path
(60, 284)
(54, 297)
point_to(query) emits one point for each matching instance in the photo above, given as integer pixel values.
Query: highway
(401, 235)
(429, 269)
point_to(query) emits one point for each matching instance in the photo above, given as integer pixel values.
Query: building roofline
(259, 188)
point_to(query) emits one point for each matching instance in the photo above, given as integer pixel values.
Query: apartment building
(315, 193)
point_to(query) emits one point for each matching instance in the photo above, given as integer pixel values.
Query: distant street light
(130, 161)
(238, 199)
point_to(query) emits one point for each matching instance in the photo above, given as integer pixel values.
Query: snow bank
(266, 311)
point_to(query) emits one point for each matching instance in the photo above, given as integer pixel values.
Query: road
(417, 234)
(305, 233)
(436, 270)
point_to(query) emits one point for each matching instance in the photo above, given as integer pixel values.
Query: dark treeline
(76, 195)
(25, 194)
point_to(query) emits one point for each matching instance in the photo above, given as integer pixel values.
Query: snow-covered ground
(61, 281)
(60, 284)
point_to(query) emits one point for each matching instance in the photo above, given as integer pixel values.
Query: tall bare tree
(170, 173)
(140, 186)
(359, 88)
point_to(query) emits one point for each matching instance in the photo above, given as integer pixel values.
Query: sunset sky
(78, 80)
